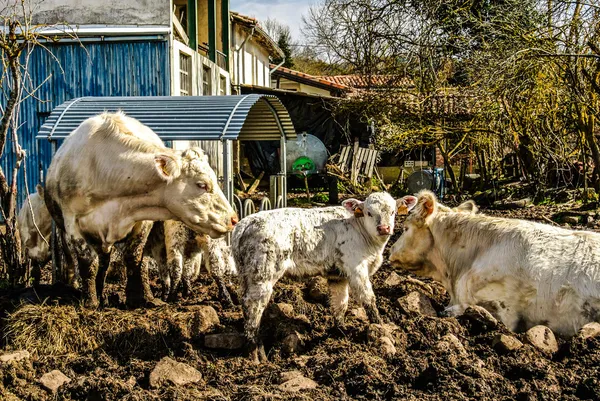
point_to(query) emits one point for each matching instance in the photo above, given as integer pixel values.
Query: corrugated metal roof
(244, 117)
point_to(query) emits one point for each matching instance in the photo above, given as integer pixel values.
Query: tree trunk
(448, 167)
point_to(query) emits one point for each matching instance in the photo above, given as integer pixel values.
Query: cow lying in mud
(179, 253)
(344, 244)
(524, 273)
(109, 180)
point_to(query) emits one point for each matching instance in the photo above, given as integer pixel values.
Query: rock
(298, 383)
(51, 381)
(292, 343)
(377, 331)
(224, 340)
(387, 346)
(177, 373)
(505, 343)
(360, 314)
(206, 317)
(542, 338)
(280, 310)
(590, 330)
(318, 290)
(591, 223)
(480, 317)
(416, 303)
(289, 375)
(450, 342)
(14, 356)
(572, 220)
(393, 280)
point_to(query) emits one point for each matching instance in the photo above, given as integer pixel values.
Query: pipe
(277, 66)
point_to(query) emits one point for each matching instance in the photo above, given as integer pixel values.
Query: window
(206, 81)
(222, 85)
(185, 74)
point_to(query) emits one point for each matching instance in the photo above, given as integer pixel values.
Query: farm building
(133, 48)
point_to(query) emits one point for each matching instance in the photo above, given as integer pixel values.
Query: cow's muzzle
(384, 229)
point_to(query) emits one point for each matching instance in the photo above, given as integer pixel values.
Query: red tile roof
(319, 81)
(356, 81)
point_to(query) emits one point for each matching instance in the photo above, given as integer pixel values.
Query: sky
(289, 12)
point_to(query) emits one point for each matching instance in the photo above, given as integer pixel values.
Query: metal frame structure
(188, 118)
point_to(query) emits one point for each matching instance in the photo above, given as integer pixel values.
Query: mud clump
(416, 354)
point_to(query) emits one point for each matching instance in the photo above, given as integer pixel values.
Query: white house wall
(103, 12)
(250, 64)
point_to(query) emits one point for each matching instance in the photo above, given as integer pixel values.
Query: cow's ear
(426, 204)
(40, 190)
(467, 207)
(355, 206)
(167, 166)
(405, 204)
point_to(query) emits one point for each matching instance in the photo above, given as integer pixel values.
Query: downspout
(238, 73)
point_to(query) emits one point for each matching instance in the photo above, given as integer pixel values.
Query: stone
(280, 310)
(359, 314)
(206, 317)
(416, 303)
(450, 342)
(591, 223)
(482, 316)
(393, 280)
(506, 343)
(318, 289)
(298, 383)
(376, 331)
(224, 340)
(542, 338)
(386, 346)
(289, 375)
(52, 381)
(590, 330)
(572, 220)
(14, 356)
(292, 343)
(168, 370)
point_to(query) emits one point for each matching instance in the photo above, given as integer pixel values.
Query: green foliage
(320, 197)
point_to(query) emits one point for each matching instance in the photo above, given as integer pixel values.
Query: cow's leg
(70, 264)
(87, 261)
(175, 268)
(165, 277)
(361, 287)
(103, 265)
(189, 268)
(338, 298)
(36, 271)
(255, 297)
(224, 295)
(138, 290)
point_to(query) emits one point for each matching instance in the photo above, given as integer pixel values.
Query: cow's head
(413, 249)
(378, 211)
(193, 194)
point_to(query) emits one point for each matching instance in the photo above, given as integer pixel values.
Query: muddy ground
(109, 354)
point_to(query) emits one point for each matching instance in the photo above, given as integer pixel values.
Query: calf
(35, 241)
(344, 244)
(179, 253)
(524, 273)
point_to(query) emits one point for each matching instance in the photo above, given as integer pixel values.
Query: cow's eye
(369, 213)
(202, 186)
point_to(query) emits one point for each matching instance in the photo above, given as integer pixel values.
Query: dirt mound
(109, 354)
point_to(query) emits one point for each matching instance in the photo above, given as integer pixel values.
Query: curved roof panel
(243, 117)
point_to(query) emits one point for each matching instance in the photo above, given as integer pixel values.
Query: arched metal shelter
(190, 118)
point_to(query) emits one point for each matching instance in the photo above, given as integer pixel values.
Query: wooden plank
(255, 183)
(344, 156)
(371, 162)
(241, 182)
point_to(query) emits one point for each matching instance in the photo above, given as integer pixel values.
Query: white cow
(344, 244)
(179, 253)
(35, 240)
(524, 273)
(110, 178)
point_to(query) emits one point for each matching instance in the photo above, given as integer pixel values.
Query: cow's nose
(234, 220)
(383, 229)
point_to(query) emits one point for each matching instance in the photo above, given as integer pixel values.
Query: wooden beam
(255, 183)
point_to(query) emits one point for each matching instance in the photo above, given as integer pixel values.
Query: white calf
(344, 244)
(525, 273)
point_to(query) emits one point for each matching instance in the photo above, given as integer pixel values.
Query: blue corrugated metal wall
(117, 68)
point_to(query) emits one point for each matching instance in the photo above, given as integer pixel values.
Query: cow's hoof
(155, 303)
(257, 355)
(91, 304)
